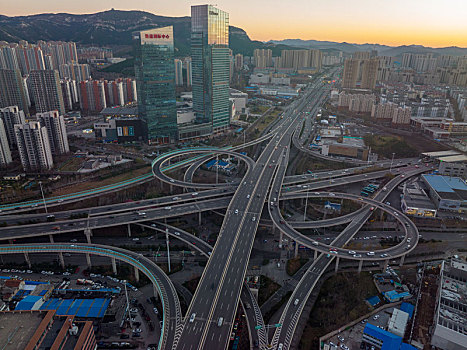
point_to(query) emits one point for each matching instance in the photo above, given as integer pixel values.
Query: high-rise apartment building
(361, 55)
(369, 73)
(298, 59)
(75, 71)
(47, 91)
(350, 75)
(211, 66)
(10, 116)
(188, 70)
(69, 93)
(5, 153)
(33, 146)
(263, 58)
(12, 92)
(8, 59)
(92, 96)
(56, 131)
(155, 82)
(178, 72)
(238, 61)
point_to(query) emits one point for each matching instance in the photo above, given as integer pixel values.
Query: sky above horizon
(435, 23)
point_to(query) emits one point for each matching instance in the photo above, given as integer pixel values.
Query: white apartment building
(33, 146)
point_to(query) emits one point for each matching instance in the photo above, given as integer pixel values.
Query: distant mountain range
(114, 27)
(382, 49)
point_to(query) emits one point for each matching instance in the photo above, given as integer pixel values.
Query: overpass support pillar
(199, 218)
(402, 260)
(88, 234)
(114, 265)
(316, 255)
(337, 264)
(136, 274)
(62, 260)
(51, 237)
(296, 249)
(281, 237)
(385, 265)
(360, 265)
(129, 230)
(88, 260)
(28, 261)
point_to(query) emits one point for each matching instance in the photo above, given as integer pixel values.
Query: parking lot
(352, 337)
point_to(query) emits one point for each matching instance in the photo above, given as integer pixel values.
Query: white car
(236, 211)
(192, 317)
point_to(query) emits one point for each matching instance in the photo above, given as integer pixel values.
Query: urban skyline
(403, 23)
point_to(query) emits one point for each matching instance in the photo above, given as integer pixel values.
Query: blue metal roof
(407, 307)
(390, 341)
(405, 346)
(445, 183)
(374, 300)
(28, 302)
(78, 307)
(211, 163)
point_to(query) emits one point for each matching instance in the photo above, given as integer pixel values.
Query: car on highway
(315, 243)
(236, 211)
(176, 233)
(194, 194)
(56, 228)
(384, 255)
(296, 302)
(370, 253)
(357, 256)
(253, 218)
(172, 180)
(192, 317)
(351, 252)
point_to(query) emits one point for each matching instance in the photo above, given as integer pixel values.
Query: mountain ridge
(114, 27)
(382, 49)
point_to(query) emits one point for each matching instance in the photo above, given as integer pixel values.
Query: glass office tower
(155, 82)
(210, 66)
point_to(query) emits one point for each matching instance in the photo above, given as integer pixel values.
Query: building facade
(56, 131)
(211, 66)
(33, 146)
(12, 90)
(178, 72)
(47, 91)
(155, 82)
(10, 116)
(5, 153)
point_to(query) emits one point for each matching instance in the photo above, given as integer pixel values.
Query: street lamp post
(392, 160)
(43, 198)
(127, 304)
(168, 248)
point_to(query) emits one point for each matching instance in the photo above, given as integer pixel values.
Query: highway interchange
(209, 320)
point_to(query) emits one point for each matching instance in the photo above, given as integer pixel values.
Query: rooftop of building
(453, 188)
(460, 158)
(453, 297)
(18, 328)
(120, 111)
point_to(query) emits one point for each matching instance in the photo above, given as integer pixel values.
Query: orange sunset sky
(435, 23)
